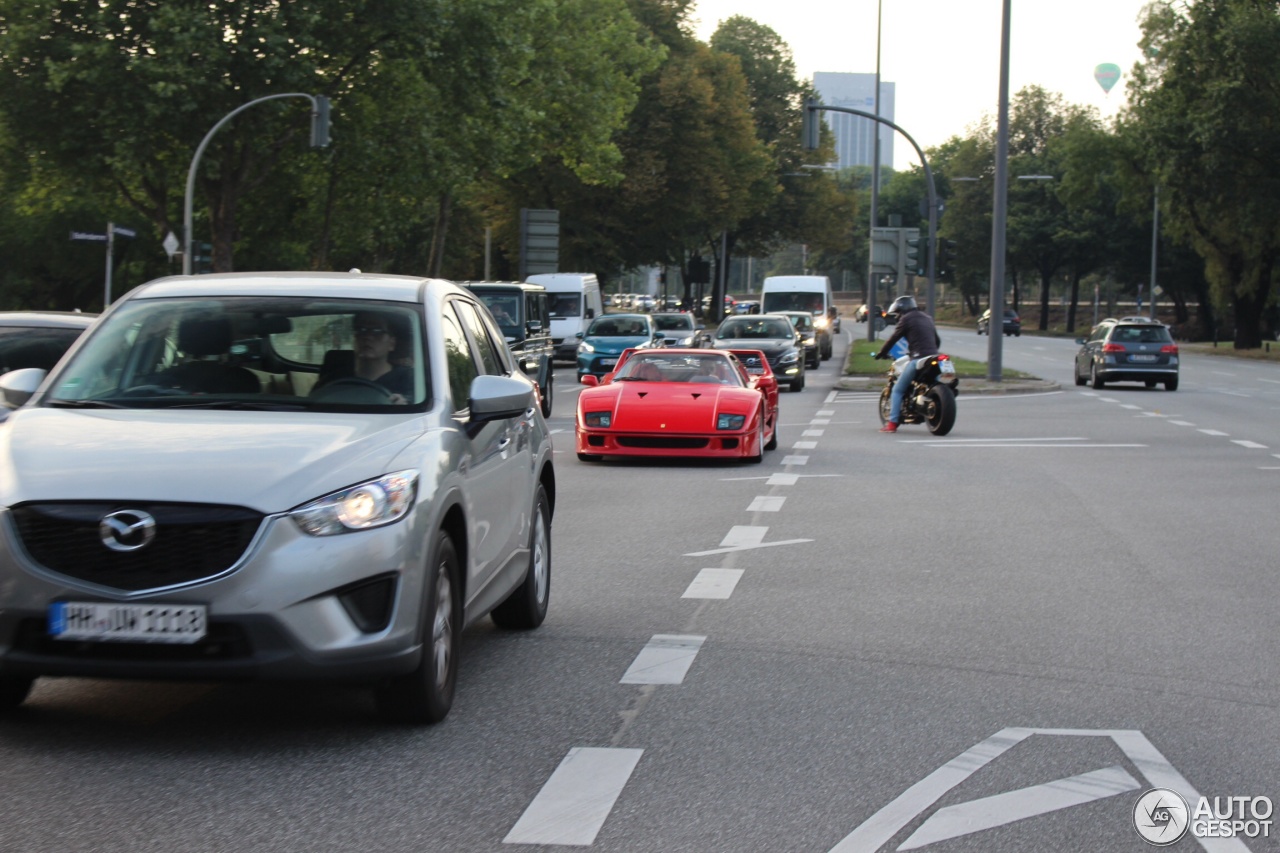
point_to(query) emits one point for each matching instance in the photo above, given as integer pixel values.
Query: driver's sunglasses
(376, 331)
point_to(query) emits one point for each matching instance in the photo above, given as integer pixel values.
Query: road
(994, 641)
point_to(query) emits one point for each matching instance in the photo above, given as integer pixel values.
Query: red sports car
(680, 402)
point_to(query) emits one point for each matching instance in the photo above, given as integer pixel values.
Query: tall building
(855, 135)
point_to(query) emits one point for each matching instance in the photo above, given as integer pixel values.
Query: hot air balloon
(1107, 74)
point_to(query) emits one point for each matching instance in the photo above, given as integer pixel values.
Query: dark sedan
(1012, 323)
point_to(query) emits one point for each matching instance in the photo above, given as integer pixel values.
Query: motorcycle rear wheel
(940, 409)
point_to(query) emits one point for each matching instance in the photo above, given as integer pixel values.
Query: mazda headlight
(731, 421)
(375, 503)
(601, 420)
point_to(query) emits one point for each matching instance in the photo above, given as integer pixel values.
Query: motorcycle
(931, 397)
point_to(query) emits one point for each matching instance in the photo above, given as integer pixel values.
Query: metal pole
(106, 290)
(875, 190)
(195, 161)
(999, 209)
(1155, 231)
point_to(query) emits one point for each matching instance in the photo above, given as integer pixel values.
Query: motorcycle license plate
(947, 367)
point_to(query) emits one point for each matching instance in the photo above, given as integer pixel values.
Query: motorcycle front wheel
(940, 412)
(886, 404)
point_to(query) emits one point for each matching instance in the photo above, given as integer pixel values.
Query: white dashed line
(1130, 406)
(795, 460)
(576, 800)
(1252, 445)
(814, 433)
(1109, 399)
(1182, 423)
(820, 422)
(665, 659)
(782, 479)
(1214, 432)
(766, 503)
(804, 445)
(714, 583)
(826, 414)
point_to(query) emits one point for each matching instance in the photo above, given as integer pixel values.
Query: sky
(944, 55)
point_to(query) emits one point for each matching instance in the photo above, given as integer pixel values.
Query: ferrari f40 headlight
(597, 419)
(731, 421)
(375, 503)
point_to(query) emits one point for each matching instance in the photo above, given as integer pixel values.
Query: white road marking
(1130, 406)
(804, 445)
(944, 443)
(911, 803)
(1182, 423)
(826, 414)
(1268, 468)
(1020, 438)
(782, 479)
(576, 800)
(1273, 381)
(1153, 415)
(665, 659)
(1234, 393)
(814, 433)
(1087, 393)
(997, 810)
(1222, 373)
(1252, 445)
(1109, 399)
(743, 537)
(713, 583)
(795, 460)
(766, 503)
(820, 421)
(1214, 432)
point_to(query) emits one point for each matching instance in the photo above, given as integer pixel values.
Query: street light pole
(999, 205)
(319, 110)
(1155, 231)
(875, 190)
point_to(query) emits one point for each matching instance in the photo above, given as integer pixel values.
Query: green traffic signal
(917, 254)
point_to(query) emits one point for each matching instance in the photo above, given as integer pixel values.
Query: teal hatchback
(607, 337)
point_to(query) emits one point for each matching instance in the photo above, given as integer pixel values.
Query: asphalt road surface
(993, 641)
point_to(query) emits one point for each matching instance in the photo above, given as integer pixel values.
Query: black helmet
(902, 305)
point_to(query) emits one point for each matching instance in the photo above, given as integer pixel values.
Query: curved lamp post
(319, 139)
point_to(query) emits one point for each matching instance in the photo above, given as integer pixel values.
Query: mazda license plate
(127, 623)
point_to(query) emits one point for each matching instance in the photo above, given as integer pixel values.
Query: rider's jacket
(917, 327)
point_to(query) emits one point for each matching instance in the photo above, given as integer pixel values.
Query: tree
(1201, 101)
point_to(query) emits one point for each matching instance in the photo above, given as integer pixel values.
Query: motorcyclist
(922, 339)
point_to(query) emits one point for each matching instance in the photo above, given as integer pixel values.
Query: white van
(574, 300)
(810, 293)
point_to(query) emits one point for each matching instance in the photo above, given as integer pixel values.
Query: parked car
(677, 328)
(37, 339)
(608, 336)
(1132, 349)
(1012, 323)
(807, 333)
(521, 310)
(274, 476)
(680, 402)
(773, 335)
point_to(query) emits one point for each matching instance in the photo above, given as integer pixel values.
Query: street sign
(539, 241)
(89, 236)
(124, 232)
(171, 244)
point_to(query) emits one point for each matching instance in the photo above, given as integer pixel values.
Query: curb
(968, 387)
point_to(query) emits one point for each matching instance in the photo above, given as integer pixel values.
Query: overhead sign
(539, 241)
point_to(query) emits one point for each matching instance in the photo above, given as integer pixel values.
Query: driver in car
(375, 342)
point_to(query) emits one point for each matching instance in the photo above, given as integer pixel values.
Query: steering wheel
(352, 389)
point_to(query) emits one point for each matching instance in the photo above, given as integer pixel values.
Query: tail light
(1113, 348)
(1170, 349)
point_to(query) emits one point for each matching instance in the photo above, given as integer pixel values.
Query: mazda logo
(127, 530)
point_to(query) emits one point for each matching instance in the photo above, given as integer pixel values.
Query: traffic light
(320, 123)
(809, 125)
(202, 258)
(946, 256)
(917, 255)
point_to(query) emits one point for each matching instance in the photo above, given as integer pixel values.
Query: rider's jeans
(900, 390)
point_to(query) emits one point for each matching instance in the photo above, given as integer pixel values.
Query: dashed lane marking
(575, 801)
(1252, 445)
(665, 659)
(814, 433)
(766, 503)
(714, 583)
(795, 460)
(1182, 423)
(743, 537)
(804, 445)
(1214, 432)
